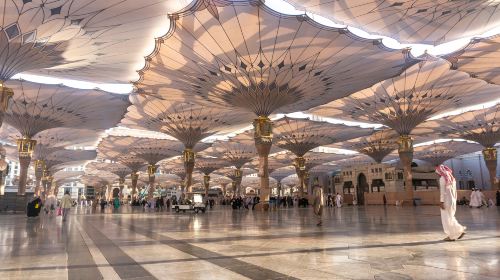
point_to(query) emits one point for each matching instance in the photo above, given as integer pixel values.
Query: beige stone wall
(427, 197)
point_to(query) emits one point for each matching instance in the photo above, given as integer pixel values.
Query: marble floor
(372, 242)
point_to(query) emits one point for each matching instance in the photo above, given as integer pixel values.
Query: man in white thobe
(475, 200)
(448, 204)
(338, 200)
(318, 203)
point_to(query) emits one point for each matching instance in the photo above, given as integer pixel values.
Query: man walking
(319, 202)
(66, 205)
(448, 204)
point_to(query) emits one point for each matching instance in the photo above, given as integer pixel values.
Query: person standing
(318, 203)
(448, 204)
(50, 204)
(474, 199)
(338, 200)
(65, 205)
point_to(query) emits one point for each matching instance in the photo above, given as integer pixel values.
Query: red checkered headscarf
(445, 172)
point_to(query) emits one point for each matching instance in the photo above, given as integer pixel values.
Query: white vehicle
(196, 205)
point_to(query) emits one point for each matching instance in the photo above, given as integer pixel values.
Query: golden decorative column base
(134, 177)
(405, 151)
(39, 169)
(206, 183)
(6, 94)
(490, 159)
(25, 147)
(189, 159)
(300, 166)
(151, 176)
(263, 136)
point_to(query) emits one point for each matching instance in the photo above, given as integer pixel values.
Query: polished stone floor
(354, 243)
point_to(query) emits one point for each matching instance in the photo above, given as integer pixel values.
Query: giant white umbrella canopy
(116, 168)
(299, 136)
(175, 166)
(135, 164)
(311, 159)
(79, 39)
(60, 159)
(437, 153)
(62, 177)
(236, 175)
(481, 126)
(119, 149)
(39, 107)
(292, 180)
(49, 141)
(113, 147)
(379, 144)
(413, 21)
(237, 151)
(402, 103)
(222, 181)
(353, 160)
(254, 183)
(280, 174)
(243, 54)
(480, 58)
(187, 122)
(207, 165)
(155, 150)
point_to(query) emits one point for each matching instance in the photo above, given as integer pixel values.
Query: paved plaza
(374, 242)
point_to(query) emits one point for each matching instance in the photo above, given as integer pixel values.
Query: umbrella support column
(490, 158)
(263, 135)
(405, 151)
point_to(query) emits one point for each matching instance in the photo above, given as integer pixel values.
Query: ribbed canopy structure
(480, 58)
(57, 160)
(308, 161)
(243, 54)
(353, 160)
(38, 107)
(413, 21)
(155, 150)
(112, 147)
(134, 163)
(236, 175)
(402, 103)
(280, 174)
(79, 39)
(377, 146)
(438, 153)
(236, 151)
(481, 126)
(207, 165)
(118, 169)
(299, 136)
(175, 166)
(188, 122)
(302, 135)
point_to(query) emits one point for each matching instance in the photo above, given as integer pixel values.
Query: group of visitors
(334, 200)
(478, 200)
(51, 205)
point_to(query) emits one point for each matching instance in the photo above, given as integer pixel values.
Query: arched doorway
(362, 188)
